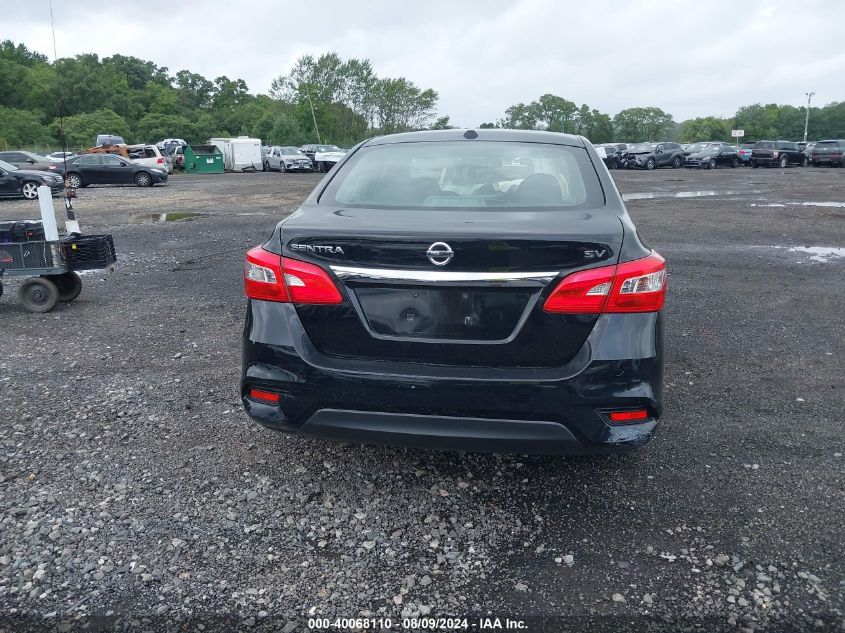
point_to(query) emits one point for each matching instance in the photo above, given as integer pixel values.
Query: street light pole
(807, 115)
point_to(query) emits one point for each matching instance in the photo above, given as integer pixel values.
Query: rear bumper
(525, 410)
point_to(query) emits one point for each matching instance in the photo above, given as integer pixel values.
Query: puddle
(838, 205)
(685, 194)
(822, 254)
(152, 218)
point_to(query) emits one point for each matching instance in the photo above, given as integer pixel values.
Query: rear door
(88, 168)
(114, 170)
(447, 259)
(9, 185)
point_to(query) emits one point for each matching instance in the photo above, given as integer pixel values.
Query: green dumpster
(203, 159)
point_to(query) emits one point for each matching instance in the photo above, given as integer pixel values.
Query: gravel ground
(137, 494)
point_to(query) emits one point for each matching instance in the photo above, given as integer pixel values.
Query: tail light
(268, 397)
(160, 161)
(270, 277)
(637, 286)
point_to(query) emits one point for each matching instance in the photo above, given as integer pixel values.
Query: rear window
(748, 146)
(827, 144)
(764, 145)
(448, 175)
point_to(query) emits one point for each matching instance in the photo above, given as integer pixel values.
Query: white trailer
(239, 154)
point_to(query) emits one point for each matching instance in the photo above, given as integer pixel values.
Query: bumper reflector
(628, 416)
(264, 396)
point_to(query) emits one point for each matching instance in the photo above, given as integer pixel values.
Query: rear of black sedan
(459, 290)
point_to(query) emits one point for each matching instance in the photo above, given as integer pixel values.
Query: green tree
(81, 130)
(20, 128)
(642, 124)
(704, 129)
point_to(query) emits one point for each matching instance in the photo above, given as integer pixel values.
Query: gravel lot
(136, 493)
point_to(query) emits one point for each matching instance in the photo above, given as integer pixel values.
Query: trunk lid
(482, 305)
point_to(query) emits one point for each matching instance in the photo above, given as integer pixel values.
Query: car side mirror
(31, 161)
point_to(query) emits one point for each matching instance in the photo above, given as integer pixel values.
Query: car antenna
(71, 225)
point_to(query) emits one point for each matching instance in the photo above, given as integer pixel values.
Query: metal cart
(51, 267)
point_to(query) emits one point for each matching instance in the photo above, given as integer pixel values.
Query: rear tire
(650, 164)
(69, 285)
(711, 164)
(74, 181)
(782, 162)
(38, 294)
(266, 166)
(143, 179)
(676, 162)
(735, 163)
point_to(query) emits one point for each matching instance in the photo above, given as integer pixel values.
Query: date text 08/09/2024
(416, 624)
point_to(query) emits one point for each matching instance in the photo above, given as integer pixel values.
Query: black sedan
(110, 169)
(15, 182)
(714, 155)
(462, 290)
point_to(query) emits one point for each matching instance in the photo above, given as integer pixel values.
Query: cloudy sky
(691, 59)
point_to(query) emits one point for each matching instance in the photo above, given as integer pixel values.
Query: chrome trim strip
(435, 276)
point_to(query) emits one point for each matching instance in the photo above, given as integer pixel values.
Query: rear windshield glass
(825, 144)
(449, 175)
(764, 145)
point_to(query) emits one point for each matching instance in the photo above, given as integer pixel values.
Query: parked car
(692, 148)
(324, 157)
(110, 169)
(286, 159)
(745, 151)
(15, 182)
(27, 160)
(808, 151)
(176, 155)
(108, 140)
(59, 157)
(831, 152)
(162, 144)
(149, 155)
(651, 155)
(777, 153)
(612, 154)
(418, 298)
(713, 155)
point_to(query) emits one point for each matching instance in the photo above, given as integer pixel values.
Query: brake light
(160, 161)
(270, 277)
(637, 286)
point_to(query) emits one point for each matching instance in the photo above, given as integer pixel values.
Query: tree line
(337, 101)
(323, 98)
(770, 121)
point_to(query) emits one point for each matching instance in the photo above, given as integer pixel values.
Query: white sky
(689, 58)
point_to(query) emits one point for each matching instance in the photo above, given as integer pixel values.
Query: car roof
(522, 136)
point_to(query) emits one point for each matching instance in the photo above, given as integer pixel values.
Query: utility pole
(807, 115)
(313, 116)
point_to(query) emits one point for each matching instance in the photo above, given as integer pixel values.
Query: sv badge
(595, 253)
